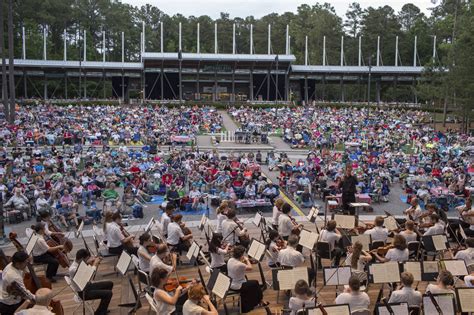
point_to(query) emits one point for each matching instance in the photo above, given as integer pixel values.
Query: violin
(280, 243)
(151, 248)
(243, 239)
(382, 251)
(33, 282)
(60, 238)
(296, 227)
(173, 283)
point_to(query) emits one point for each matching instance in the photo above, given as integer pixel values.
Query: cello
(60, 238)
(60, 255)
(33, 282)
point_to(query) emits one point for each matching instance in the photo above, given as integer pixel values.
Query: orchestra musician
(399, 252)
(348, 186)
(409, 233)
(378, 232)
(12, 275)
(425, 217)
(196, 296)
(466, 215)
(285, 223)
(444, 283)
(357, 300)
(277, 212)
(116, 236)
(43, 254)
(290, 257)
(144, 253)
(414, 212)
(93, 290)
(332, 236)
(164, 302)
(406, 294)
(231, 230)
(163, 259)
(304, 297)
(42, 299)
(467, 254)
(437, 228)
(357, 258)
(274, 244)
(45, 218)
(221, 213)
(218, 250)
(166, 217)
(176, 238)
(250, 292)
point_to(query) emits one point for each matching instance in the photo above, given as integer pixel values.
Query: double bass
(60, 238)
(60, 255)
(33, 282)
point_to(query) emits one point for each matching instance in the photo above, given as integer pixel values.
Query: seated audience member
(406, 294)
(357, 300)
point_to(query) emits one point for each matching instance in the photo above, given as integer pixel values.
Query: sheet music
(150, 224)
(399, 309)
(461, 231)
(313, 213)
(456, 267)
(83, 275)
(385, 272)
(203, 257)
(465, 299)
(439, 242)
(308, 239)
(193, 251)
(31, 243)
(221, 286)
(430, 267)
(124, 262)
(287, 278)
(331, 310)
(445, 302)
(390, 223)
(257, 219)
(203, 222)
(364, 239)
(256, 250)
(337, 276)
(345, 221)
(413, 267)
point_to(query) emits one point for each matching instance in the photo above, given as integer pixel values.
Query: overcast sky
(259, 8)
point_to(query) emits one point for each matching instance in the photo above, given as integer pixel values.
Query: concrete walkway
(229, 123)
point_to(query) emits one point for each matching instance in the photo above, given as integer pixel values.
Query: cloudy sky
(260, 8)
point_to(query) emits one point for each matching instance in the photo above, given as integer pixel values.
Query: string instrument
(186, 231)
(60, 255)
(280, 243)
(244, 239)
(151, 248)
(60, 238)
(364, 227)
(173, 283)
(382, 251)
(126, 234)
(33, 282)
(296, 227)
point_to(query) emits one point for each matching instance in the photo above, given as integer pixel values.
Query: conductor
(348, 186)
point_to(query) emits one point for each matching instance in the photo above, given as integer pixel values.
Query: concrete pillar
(45, 87)
(377, 91)
(306, 94)
(251, 85)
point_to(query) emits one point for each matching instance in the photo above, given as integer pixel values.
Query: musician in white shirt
(116, 240)
(413, 213)
(230, 230)
(467, 254)
(378, 232)
(406, 294)
(304, 297)
(437, 228)
(290, 257)
(409, 234)
(43, 254)
(357, 257)
(399, 253)
(285, 223)
(176, 237)
(163, 259)
(13, 273)
(42, 299)
(444, 283)
(357, 300)
(166, 217)
(196, 297)
(277, 212)
(332, 236)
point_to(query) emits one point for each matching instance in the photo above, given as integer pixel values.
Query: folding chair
(414, 248)
(377, 244)
(77, 298)
(323, 251)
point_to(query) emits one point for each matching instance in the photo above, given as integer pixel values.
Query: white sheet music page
(193, 251)
(413, 267)
(364, 239)
(313, 213)
(445, 302)
(456, 267)
(256, 250)
(439, 242)
(466, 300)
(385, 272)
(31, 243)
(203, 222)
(150, 224)
(124, 262)
(400, 309)
(331, 310)
(308, 239)
(257, 219)
(337, 276)
(390, 223)
(288, 278)
(345, 221)
(430, 267)
(221, 286)
(83, 275)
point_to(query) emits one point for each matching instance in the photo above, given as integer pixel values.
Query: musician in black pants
(43, 253)
(94, 290)
(348, 186)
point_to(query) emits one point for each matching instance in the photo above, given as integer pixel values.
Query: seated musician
(166, 217)
(378, 232)
(437, 228)
(467, 254)
(444, 283)
(250, 292)
(45, 218)
(42, 299)
(196, 297)
(406, 294)
(94, 290)
(285, 224)
(409, 233)
(426, 220)
(290, 257)
(304, 297)
(399, 252)
(164, 302)
(414, 212)
(163, 259)
(332, 236)
(116, 240)
(277, 212)
(176, 237)
(357, 300)
(230, 230)
(469, 280)
(357, 258)
(12, 277)
(274, 244)
(466, 217)
(218, 250)
(143, 252)
(43, 254)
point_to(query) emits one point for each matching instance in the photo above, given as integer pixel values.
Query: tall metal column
(251, 85)
(251, 39)
(232, 99)
(23, 42)
(65, 85)
(306, 96)
(45, 87)
(269, 39)
(198, 93)
(268, 84)
(25, 84)
(276, 79)
(198, 46)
